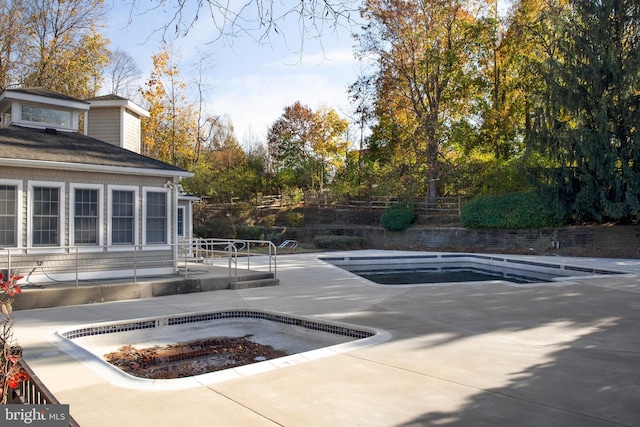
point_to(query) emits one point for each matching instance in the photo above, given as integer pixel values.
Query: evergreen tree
(593, 112)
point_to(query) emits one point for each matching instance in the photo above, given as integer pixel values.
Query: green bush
(201, 230)
(398, 217)
(295, 219)
(221, 229)
(513, 210)
(268, 220)
(248, 232)
(275, 237)
(339, 242)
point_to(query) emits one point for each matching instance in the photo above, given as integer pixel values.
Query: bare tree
(205, 123)
(122, 74)
(259, 19)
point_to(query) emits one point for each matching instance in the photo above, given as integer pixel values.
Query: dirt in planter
(191, 358)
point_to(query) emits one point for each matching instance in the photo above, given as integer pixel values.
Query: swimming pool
(458, 268)
(302, 338)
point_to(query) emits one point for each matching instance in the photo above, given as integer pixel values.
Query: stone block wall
(601, 241)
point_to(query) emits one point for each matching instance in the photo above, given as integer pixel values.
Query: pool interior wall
(533, 271)
(302, 338)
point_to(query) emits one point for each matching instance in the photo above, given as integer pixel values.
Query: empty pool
(302, 339)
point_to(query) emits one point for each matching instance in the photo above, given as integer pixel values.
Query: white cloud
(255, 101)
(249, 82)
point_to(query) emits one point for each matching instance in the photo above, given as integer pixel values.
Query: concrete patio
(482, 354)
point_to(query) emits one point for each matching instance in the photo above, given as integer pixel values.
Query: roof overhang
(120, 103)
(83, 167)
(9, 95)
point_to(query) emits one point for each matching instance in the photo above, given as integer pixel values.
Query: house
(84, 205)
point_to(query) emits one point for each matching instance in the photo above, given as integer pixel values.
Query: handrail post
(185, 252)
(248, 255)
(135, 263)
(76, 248)
(275, 260)
(229, 255)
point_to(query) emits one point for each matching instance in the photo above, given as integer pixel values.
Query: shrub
(268, 220)
(275, 237)
(248, 232)
(398, 217)
(339, 242)
(295, 219)
(221, 229)
(513, 210)
(201, 230)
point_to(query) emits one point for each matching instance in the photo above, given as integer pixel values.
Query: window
(8, 215)
(50, 116)
(46, 216)
(85, 220)
(180, 221)
(122, 217)
(156, 217)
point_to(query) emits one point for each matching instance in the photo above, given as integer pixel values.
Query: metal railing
(64, 264)
(235, 250)
(34, 392)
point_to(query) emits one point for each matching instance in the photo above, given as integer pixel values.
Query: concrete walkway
(484, 354)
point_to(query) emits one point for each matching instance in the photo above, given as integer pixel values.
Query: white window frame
(16, 116)
(19, 204)
(157, 246)
(95, 247)
(184, 221)
(61, 217)
(136, 216)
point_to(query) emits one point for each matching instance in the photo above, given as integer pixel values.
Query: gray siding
(60, 262)
(104, 124)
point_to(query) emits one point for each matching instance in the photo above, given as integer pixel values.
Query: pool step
(255, 283)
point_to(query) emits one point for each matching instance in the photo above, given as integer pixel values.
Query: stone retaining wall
(602, 241)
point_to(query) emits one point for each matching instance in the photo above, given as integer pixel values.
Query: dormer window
(50, 116)
(41, 109)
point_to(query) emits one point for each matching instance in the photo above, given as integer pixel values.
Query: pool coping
(120, 378)
(507, 262)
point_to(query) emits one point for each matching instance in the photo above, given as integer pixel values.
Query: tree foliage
(304, 144)
(171, 131)
(426, 56)
(53, 44)
(224, 169)
(589, 130)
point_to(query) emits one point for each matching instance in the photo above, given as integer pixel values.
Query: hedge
(398, 217)
(512, 211)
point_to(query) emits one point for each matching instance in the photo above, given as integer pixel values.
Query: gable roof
(110, 97)
(38, 94)
(40, 91)
(28, 147)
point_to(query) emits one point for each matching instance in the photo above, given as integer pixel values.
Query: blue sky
(247, 81)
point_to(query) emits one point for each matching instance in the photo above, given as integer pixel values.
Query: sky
(246, 81)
